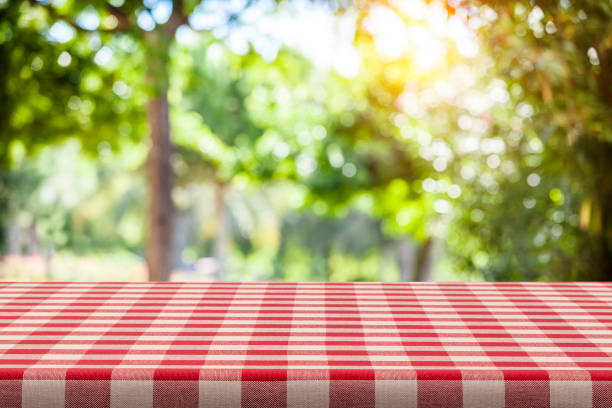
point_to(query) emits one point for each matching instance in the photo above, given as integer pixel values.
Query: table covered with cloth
(480, 345)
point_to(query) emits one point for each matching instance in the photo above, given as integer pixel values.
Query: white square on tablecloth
(396, 393)
(43, 393)
(484, 394)
(307, 393)
(571, 394)
(131, 393)
(219, 394)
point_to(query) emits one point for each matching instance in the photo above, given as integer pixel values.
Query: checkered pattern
(409, 345)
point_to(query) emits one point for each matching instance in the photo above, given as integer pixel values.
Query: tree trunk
(184, 224)
(159, 242)
(48, 262)
(422, 266)
(405, 252)
(33, 245)
(221, 246)
(13, 237)
(159, 245)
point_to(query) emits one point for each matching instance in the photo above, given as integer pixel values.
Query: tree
(54, 87)
(286, 120)
(510, 104)
(323, 132)
(555, 58)
(150, 26)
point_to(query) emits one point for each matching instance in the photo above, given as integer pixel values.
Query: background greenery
(391, 140)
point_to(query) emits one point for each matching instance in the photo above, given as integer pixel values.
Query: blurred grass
(119, 266)
(127, 267)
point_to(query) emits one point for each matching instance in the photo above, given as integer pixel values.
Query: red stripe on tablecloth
(349, 386)
(266, 388)
(173, 388)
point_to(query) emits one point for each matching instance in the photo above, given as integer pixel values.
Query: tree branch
(123, 25)
(123, 20)
(177, 18)
(57, 16)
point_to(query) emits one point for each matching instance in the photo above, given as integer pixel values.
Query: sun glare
(422, 32)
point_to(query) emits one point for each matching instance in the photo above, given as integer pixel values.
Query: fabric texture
(310, 345)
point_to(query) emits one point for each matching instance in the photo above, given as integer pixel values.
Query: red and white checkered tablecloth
(478, 345)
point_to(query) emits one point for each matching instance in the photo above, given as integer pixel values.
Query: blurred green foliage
(494, 164)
